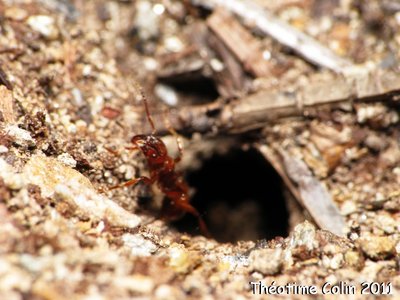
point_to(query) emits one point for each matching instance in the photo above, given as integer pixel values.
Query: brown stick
(314, 195)
(240, 42)
(260, 109)
(308, 190)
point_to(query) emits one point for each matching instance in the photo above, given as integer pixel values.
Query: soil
(70, 73)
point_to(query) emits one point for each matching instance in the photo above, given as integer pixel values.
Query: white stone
(45, 25)
(138, 245)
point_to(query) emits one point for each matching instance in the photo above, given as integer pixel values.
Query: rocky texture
(68, 70)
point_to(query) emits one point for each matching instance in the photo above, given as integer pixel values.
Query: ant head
(152, 147)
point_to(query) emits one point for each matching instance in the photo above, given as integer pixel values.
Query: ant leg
(114, 152)
(187, 207)
(133, 182)
(179, 143)
(176, 135)
(132, 148)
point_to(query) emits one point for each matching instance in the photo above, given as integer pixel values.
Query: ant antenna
(146, 106)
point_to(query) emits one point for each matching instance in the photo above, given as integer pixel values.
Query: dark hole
(240, 197)
(196, 90)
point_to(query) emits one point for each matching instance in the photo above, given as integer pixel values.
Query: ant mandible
(162, 171)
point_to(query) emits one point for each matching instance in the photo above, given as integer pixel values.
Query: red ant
(162, 172)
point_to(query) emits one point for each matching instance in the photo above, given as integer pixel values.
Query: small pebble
(378, 247)
(20, 136)
(348, 207)
(138, 245)
(67, 159)
(3, 149)
(386, 223)
(181, 260)
(167, 94)
(304, 234)
(45, 25)
(334, 262)
(353, 259)
(375, 142)
(168, 292)
(15, 13)
(266, 261)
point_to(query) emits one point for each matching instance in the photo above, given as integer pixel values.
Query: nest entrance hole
(240, 196)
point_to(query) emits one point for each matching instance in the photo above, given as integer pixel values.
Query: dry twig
(245, 47)
(314, 195)
(262, 108)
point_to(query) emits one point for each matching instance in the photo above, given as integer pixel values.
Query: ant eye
(153, 155)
